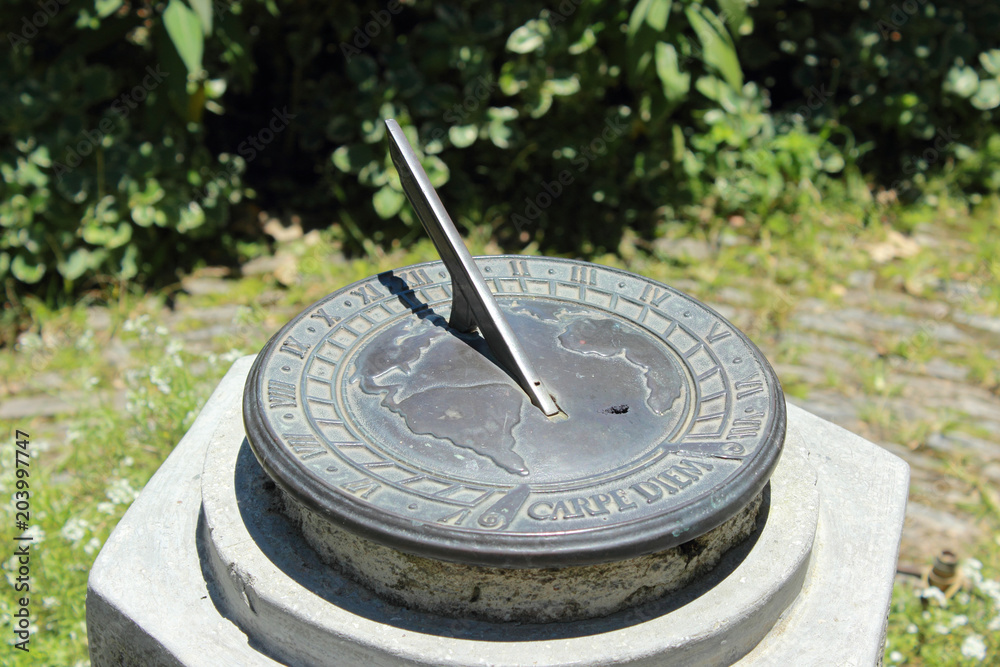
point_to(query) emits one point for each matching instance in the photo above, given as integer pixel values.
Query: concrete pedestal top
(212, 576)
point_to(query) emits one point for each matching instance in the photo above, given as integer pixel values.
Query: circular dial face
(372, 412)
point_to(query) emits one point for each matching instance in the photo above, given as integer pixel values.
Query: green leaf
(185, 30)
(676, 83)
(462, 136)
(652, 12)
(203, 8)
(991, 61)
(353, 158)
(107, 7)
(437, 171)
(27, 268)
(130, 268)
(192, 216)
(562, 87)
(716, 43)
(733, 12)
(988, 95)
(387, 202)
(529, 37)
(499, 133)
(79, 262)
(834, 163)
(143, 215)
(716, 90)
(961, 80)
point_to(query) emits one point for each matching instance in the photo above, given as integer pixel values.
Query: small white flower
(127, 462)
(49, 602)
(963, 598)
(994, 624)
(974, 647)
(161, 330)
(92, 545)
(959, 620)
(896, 656)
(934, 593)
(137, 324)
(86, 341)
(942, 629)
(912, 629)
(29, 341)
(106, 507)
(74, 529)
(120, 492)
(161, 382)
(92, 381)
(972, 570)
(231, 356)
(36, 533)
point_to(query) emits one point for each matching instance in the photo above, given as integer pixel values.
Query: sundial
(513, 411)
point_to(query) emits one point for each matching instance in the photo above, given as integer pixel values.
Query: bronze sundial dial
(513, 411)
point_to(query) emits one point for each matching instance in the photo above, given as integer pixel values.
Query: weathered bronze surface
(373, 412)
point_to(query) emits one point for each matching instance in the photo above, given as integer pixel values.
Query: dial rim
(622, 539)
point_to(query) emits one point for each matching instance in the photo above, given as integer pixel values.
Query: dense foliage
(138, 138)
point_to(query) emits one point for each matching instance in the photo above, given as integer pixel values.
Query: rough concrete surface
(149, 602)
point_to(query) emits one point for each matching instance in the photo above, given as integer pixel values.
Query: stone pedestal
(205, 570)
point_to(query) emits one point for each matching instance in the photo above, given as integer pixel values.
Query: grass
(927, 629)
(88, 466)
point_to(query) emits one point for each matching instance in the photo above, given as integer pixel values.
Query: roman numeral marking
(293, 346)
(306, 445)
(714, 337)
(745, 388)
(746, 427)
(584, 275)
(322, 315)
(362, 488)
(301, 439)
(366, 293)
(654, 295)
(281, 394)
(709, 373)
(519, 267)
(415, 278)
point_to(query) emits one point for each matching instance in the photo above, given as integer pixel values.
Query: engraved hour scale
(514, 438)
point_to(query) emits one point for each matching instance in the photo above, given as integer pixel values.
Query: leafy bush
(104, 163)
(136, 137)
(916, 81)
